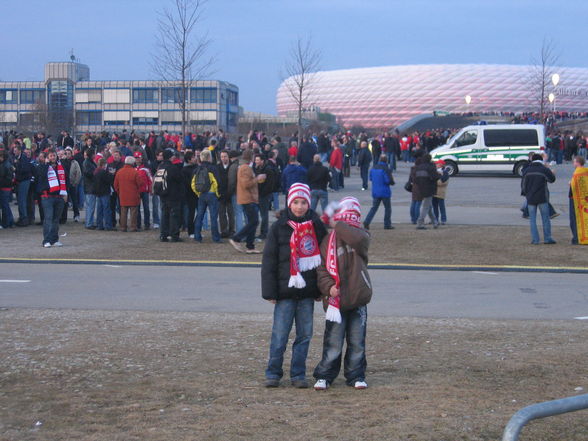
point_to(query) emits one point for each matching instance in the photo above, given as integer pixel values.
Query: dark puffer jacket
(275, 267)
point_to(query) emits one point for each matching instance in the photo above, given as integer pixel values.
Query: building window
(88, 96)
(89, 118)
(32, 96)
(144, 121)
(203, 95)
(232, 119)
(8, 96)
(145, 96)
(170, 95)
(232, 97)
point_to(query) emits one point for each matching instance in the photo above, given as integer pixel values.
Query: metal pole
(542, 410)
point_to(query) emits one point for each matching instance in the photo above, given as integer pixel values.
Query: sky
(251, 38)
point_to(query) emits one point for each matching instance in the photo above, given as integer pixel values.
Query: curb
(236, 264)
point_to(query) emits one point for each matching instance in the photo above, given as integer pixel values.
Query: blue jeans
(415, 211)
(103, 215)
(90, 208)
(81, 194)
(439, 208)
(335, 179)
(210, 201)
(146, 212)
(364, 171)
(317, 196)
(353, 329)
(374, 209)
(286, 312)
(52, 208)
(544, 211)
(427, 209)
(22, 193)
(264, 206)
(7, 218)
(573, 223)
(238, 210)
(276, 201)
(406, 155)
(559, 156)
(391, 160)
(155, 205)
(248, 231)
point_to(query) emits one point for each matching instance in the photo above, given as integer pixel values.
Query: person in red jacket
(144, 190)
(127, 184)
(336, 164)
(293, 150)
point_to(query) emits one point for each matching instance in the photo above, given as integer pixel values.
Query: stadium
(387, 96)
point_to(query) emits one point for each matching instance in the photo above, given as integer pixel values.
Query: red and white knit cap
(298, 190)
(349, 211)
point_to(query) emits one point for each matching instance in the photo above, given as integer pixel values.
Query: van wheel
(518, 168)
(451, 168)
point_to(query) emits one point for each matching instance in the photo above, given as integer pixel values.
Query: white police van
(501, 147)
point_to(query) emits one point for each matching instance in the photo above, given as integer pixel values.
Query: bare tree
(180, 58)
(542, 69)
(300, 73)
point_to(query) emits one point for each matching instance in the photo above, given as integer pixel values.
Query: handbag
(408, 186)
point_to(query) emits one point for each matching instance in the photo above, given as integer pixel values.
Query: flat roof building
(68, 99)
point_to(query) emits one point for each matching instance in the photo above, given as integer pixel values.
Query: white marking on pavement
(581, 318)
(113, 266)
(488, 273)
(14, 281)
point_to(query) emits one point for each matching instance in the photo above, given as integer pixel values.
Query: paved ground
(438, 294)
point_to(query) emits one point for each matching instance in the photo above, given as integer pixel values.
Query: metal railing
(542, 410)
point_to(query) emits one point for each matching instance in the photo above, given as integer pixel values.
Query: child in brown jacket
(344, 281)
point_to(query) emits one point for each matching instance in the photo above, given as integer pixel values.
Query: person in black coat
(290, 288)
(171, 203)
(534, 187)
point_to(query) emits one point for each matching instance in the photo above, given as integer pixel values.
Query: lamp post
(468, 100)
(555, 81)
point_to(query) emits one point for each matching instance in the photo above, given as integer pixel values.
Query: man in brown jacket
(127, 184)
(343, 280)
(248, 198)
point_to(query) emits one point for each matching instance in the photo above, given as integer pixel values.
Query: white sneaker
(155, 225)
(321, 385)
(46, 245)
(236, 245)
(76, 218)
(360, 385)
(191, 236)
(57, 244)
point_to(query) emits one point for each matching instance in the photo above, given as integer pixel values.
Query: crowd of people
(203, 181)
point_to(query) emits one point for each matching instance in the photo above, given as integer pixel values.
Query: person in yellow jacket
(205, 185)
(579, 202)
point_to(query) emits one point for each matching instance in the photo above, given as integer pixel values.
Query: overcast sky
(251, 37)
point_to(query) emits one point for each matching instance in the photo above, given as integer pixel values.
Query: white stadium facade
(384, 97)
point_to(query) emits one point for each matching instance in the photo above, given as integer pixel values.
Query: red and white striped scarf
(304, 252)
(349, 211)
(56, 181)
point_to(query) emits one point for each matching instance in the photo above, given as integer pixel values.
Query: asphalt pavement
(397, 293)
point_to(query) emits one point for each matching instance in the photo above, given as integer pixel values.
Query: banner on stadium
(580, 195)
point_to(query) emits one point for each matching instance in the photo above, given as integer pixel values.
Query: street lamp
(468, 100)
(555, 79)
(551, 98)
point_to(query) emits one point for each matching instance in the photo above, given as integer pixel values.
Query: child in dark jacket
(289, 281)
(344, 281)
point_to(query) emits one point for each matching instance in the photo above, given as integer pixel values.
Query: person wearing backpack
(167, 184)
(205, 185)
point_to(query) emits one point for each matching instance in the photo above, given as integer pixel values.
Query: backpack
(160, 182)
(203, 183)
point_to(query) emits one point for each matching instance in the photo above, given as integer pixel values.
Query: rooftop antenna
(72, 57)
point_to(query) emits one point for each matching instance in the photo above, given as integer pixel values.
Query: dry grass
(451, 244)
(185, 376)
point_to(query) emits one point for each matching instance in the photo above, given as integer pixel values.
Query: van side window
(467, 138)
(512, 138)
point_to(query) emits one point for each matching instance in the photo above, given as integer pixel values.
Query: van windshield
(510, 137)
(467, 138)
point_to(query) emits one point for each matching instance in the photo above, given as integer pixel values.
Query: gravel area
(97, 375)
